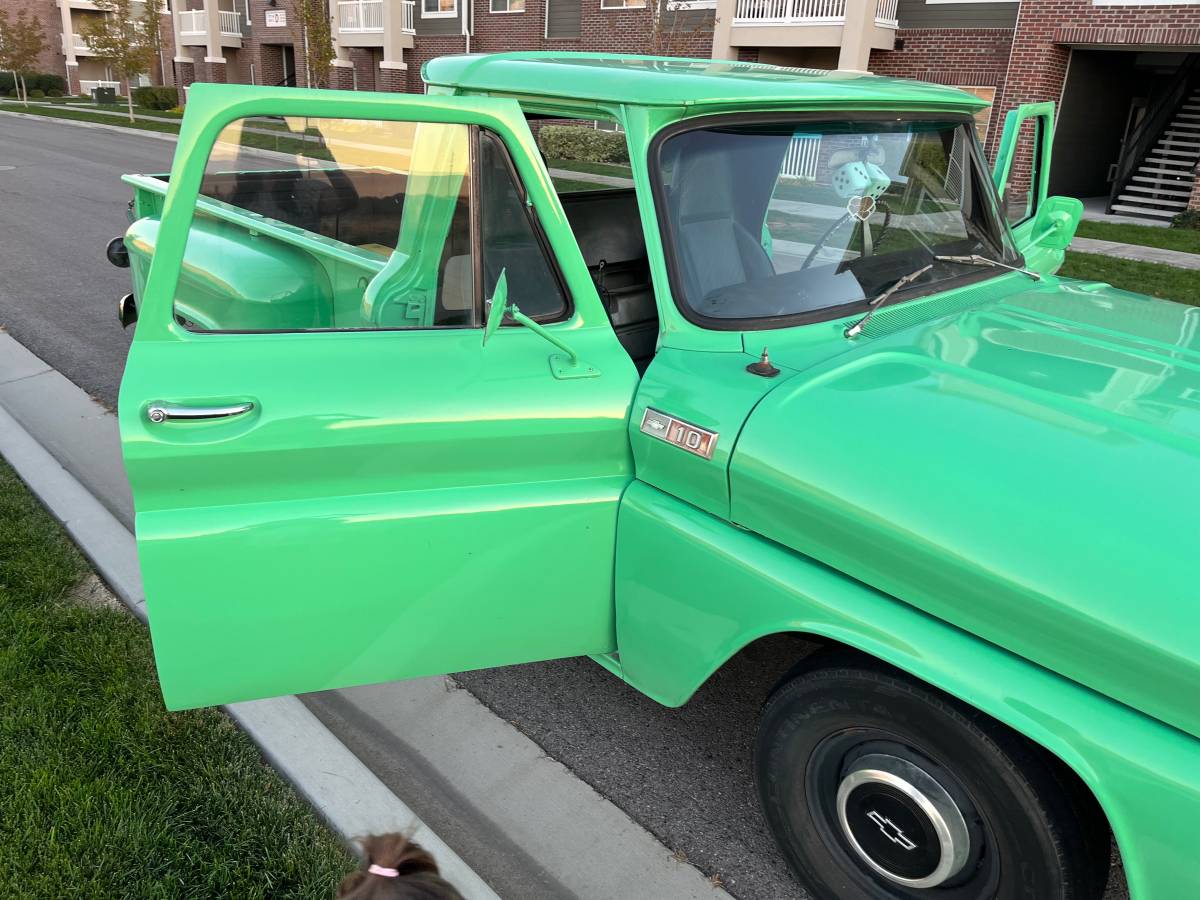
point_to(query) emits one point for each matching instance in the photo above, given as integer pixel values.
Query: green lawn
(575, 165)
(1184, 239)
(1145, 278)
(102, 792)
(79, 115)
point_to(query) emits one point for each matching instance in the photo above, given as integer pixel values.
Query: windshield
(810, 219)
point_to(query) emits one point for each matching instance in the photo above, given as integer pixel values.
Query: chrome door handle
(161, 412)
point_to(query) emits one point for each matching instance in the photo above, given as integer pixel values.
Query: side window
(1020, 195)
(308, 224)
(509, 240)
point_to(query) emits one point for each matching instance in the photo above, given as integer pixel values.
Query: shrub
(37, 94)
(156, 97)
(38, 81)
(1189, 219)
(584, 144)
(14, 93)
(54, 92)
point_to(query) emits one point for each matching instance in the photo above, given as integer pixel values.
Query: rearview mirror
(1056, 222)
(564, 365)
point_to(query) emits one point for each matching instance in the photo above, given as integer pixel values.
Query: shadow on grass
(103, 792)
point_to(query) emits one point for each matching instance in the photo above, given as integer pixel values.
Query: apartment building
(1125, 73)
(68, 54)
(381, 44)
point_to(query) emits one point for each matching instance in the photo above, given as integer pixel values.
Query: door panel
(398, 501)
(1022, 176)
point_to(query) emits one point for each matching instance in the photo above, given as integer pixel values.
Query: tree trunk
(129, 97)
(24, 92)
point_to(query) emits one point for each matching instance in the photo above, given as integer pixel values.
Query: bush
(54, 92)
(37, 94)
(583, 144)
(1189, 219)
(156, 97)
(40, 82)
(14, 93)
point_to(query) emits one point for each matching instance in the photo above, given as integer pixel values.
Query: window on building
(622, 4)
(508, 6)
(439, 9)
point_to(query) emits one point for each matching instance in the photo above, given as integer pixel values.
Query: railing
(360, 15)
(230, 22)
(887, 13)
(86, 87)
(193, 21)
(1150, 129)
(802, 157)
(790, 12)
(81, 43)
(410, 13)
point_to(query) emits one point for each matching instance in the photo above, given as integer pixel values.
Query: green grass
(78, 115)
(102, 792)
(1154, 279)
(575, 165)
(566, 185)
(1186, 240)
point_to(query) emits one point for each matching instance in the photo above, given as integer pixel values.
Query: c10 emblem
(684, 435)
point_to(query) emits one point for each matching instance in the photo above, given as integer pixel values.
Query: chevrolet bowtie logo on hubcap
(891, 830)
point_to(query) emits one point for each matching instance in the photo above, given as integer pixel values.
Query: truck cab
(408, 398)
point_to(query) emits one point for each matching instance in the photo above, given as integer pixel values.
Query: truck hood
(1028, 470)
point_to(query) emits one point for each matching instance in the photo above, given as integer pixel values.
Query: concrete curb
(1137, 252)
(332, 779)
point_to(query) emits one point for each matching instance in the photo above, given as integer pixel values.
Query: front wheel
(878, 787)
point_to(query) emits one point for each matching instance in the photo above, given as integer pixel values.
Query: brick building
(68, 55)
(381, 44)
(1125, 73)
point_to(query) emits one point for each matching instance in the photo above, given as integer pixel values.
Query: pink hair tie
(382, 870)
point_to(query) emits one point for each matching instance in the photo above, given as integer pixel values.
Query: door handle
(162, 412)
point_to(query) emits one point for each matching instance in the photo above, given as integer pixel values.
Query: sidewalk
(1138, 253)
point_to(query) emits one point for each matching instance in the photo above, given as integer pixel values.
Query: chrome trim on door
(161, 412)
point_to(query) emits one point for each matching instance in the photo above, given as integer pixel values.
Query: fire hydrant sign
(276, 18)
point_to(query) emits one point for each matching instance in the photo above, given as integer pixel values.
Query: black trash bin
(105, 95)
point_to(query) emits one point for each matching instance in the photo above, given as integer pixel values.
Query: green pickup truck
(407, 398)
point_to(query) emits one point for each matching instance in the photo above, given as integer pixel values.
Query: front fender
(726, 587)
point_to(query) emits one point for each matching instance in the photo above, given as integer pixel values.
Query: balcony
(790, 12)
(77, 47)
(388, 24)
(86, 87)
(358, 16)
(887, 13)
(193, 27)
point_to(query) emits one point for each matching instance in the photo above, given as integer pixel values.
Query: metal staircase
(1159, 165)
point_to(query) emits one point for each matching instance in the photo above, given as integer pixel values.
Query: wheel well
(813, 651)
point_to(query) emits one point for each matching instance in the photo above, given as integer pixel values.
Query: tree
(318, 40)
(675, 28)
(22, 41)
(125, 38)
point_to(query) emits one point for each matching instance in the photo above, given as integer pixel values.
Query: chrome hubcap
(901, 822)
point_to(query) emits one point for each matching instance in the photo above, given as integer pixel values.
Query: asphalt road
(683, 774)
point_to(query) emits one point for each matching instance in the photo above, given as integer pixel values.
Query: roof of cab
(670, 81)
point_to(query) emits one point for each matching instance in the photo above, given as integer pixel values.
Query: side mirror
(497, 306)
(126, 311)
(1056, 222)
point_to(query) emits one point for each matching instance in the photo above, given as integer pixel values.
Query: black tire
(853, 725)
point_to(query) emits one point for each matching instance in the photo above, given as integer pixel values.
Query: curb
(332, 779)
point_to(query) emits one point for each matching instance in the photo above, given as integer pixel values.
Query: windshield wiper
(976, 260)
(855, 329)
